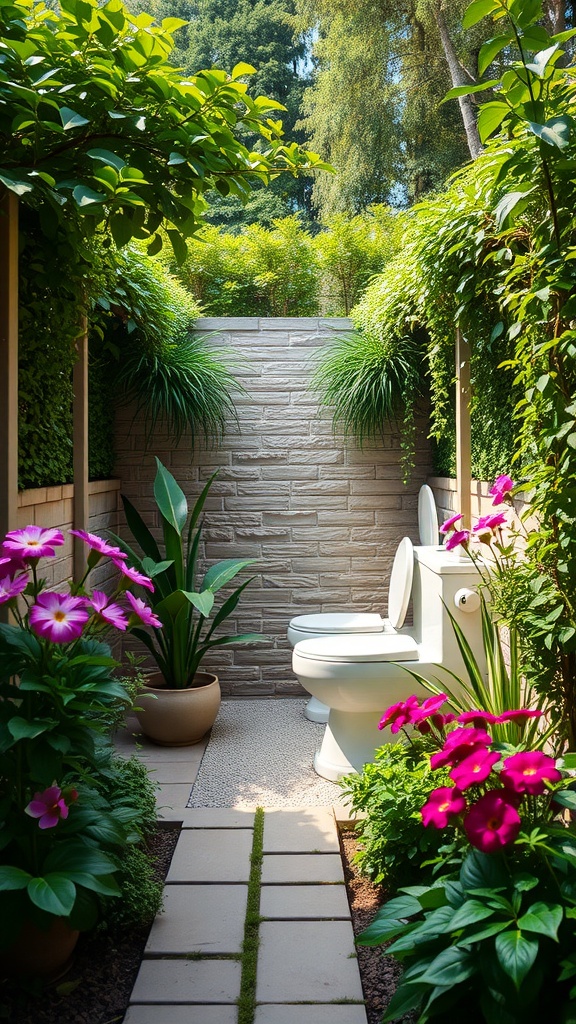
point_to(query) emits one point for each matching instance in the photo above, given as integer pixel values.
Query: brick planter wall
(322, 517)
(52, 507)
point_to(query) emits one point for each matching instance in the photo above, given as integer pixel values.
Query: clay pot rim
(208, 679)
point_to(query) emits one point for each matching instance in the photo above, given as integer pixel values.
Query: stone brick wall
(52, 507)
(322, 517)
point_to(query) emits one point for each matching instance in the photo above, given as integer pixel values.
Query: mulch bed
(97, 988)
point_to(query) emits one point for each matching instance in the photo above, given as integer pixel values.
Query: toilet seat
(401, 583)
(339, 622)
(428, 525)
(352, 650)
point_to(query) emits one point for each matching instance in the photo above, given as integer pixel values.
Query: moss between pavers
(247, 998)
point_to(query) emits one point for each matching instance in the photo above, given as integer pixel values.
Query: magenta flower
(442, 804)
(32, 542)
(398, 715)
(58, 617)
(50, 807)
(9, 565)
(107, 610)
(492, 822)
(133, 575)
(528, 771)
(460, 743)
(479, 719)
(11, 586)
(520, 716)
(144, 613)
(475, 768)
(487, 524)
(99, 545)
(458, 537)
(438, 721)
(448, 526)
(501, 489)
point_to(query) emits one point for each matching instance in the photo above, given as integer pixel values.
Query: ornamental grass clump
(62, 835)
(494, 936)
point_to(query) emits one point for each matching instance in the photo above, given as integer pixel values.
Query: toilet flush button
(467, 600)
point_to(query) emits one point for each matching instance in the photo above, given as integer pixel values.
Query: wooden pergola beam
(80, 447)
(463, 433)
(8, 362)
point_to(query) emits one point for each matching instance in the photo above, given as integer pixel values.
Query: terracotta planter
(44, 953)
(178, 718)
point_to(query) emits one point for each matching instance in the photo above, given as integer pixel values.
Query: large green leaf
(13, 878)
(170, 499)
(54, 893)
(491, 48)
(22, 729)
(470, 913)
(140, 531)
(220, 574)
(406, 997)
(543, 919)
(481, 871)
(477, 10)
(451, 967)
(76, 856)
(516, 954)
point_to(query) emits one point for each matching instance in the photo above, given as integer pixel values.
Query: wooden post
(8, 362)
(463, 453)
(80, 447)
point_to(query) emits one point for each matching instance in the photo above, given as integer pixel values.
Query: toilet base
(316, 711)
(350, 741)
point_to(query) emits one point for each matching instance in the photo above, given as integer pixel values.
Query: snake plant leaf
(220, 574)
(170, 499)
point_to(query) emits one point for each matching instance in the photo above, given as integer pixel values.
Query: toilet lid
(339, 622)
(401, 583)
(355, 649)
(428, 527)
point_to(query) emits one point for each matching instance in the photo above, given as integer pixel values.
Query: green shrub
(350, 251)
(391, 790)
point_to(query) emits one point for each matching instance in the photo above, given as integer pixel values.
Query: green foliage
(102, 132)
(350, 251)
(182, 602)
(391, 790)
(141, 892)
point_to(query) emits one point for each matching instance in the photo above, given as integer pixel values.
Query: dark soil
(97, 988)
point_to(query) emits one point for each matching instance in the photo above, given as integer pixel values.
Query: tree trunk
(556, 15)
(459, 77)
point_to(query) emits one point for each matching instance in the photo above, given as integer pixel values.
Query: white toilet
(359, 675)
(310, 627)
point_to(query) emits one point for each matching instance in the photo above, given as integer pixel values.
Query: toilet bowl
(359, 675)
(309, 627)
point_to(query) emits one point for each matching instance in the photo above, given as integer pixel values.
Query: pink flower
(133, 575)
(520, 716)
(442, 804)
(144, 613)
(99, 545)
(460, 743)
(475, 768)
(9, 566)
(501, 489)
(58, 617)
(479, 719)
(448, 526)
(458, 537)
(11, 586)
(398, 715)
(492, 822)
(486, 526)
(108, 611)
(528, 771)
(49, 806)
(31, 543)
(438, 721)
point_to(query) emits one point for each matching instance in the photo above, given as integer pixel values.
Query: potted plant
(61, 837)
(180, 702)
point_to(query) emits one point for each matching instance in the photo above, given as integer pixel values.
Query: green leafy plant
(494, 935)
(390, 791)
(183, 614)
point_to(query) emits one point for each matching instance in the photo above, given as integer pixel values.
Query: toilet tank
(438, 576)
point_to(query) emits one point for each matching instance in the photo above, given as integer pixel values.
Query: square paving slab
(304, 901)
(187, 981)
(200, 918)
(217, 817)
(302, 830)
(317, 1014)
(302, 867)
(203, 855)
(155, 1014)
(307, 960)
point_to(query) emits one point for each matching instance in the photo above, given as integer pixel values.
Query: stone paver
(316, 1014)
(305, 830)
(166, 772)
(200, 918)
(307, 960)
(304, 901)
(187, 981)
(217, 817)
(202, 856)
(302, 867)
(165, 1014)
(171, 799)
